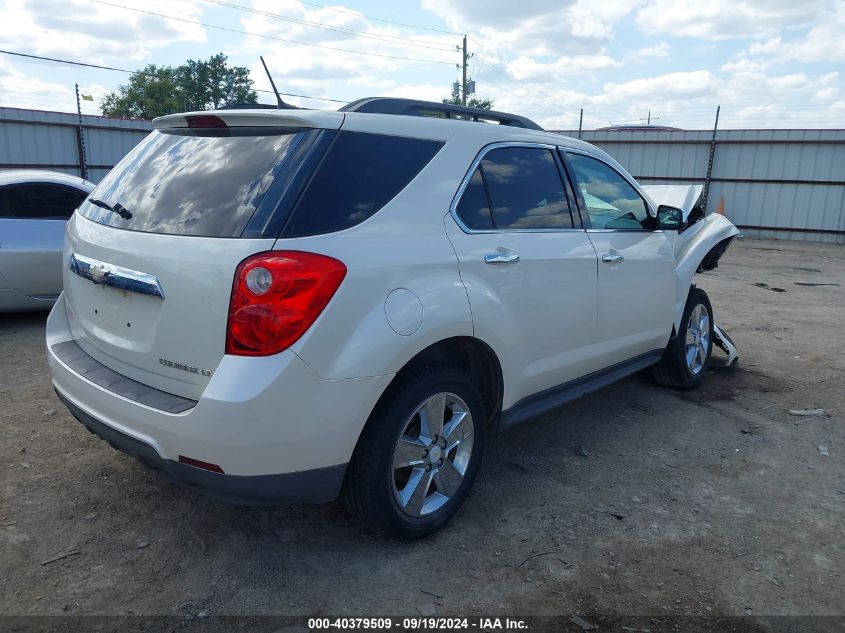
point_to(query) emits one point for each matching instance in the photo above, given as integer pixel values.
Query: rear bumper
(319, 485)
(276, 429)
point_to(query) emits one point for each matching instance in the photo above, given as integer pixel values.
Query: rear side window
(515, 188)
(39, 201)
(526, 190)
(181, 184)
(358, 176)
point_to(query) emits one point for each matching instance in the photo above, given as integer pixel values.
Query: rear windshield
(282, 184)
(192, 185)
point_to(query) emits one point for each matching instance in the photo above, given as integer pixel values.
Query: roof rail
(414, 107)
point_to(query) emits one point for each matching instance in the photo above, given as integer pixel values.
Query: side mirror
(670, 218)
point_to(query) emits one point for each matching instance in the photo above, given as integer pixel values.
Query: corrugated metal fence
(786, 184)
(54, 140)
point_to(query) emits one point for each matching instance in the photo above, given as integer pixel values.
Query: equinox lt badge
(188, 368)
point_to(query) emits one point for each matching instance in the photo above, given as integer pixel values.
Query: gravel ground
(634, 501)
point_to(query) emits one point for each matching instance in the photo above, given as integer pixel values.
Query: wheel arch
(472, 355)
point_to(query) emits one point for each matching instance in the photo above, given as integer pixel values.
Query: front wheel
(687, 356)
(418, 455)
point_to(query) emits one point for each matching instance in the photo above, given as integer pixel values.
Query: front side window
(39, 201)
(612, 203)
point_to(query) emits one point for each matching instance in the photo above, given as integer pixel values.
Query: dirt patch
(635, 501)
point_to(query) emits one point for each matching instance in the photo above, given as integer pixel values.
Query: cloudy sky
(769, 63)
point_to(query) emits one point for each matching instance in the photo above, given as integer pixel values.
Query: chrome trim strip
(624, 230)
(105, 274)
(453, 208)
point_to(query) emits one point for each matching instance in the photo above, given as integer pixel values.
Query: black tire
(673, 370)
(369, 488)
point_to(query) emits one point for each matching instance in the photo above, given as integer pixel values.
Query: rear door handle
(612, 259)
(501, 257)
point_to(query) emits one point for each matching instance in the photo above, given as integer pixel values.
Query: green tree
(472, 102)
(151, 92)
(194, 85)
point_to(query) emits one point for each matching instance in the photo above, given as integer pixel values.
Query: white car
(34, 208)
(291, 304)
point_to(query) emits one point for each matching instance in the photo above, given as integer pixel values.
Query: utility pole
(463, 66)
(648, 118)
(580, 122)
(464, 80)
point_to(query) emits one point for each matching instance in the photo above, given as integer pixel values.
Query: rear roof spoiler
(269, 117)
(413, 107)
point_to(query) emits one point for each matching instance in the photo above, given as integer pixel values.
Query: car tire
(687, 356)
(407, 479)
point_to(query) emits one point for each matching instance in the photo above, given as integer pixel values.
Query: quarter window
(525, 189)
(474, 208)
(39, 201)
(612, 203)
(360, 174)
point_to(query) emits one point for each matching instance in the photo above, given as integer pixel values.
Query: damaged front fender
(699, 248)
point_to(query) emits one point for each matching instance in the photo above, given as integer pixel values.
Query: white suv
(288, 304)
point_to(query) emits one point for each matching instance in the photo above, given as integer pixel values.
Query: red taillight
(206, 122)
(276, 297)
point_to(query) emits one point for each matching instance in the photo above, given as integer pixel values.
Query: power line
(63, 61)
(519, 82)
(369, 17)
(506, 75)
(522, 84)
(705, 112)
(542, 107)
(124, 70)
(505, 72)
(607, 114)
(564, 97)
(291, 94)
(267, 37)
(340, 29)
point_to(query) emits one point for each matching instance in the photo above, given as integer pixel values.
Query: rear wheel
(687, 356)
(418, 455)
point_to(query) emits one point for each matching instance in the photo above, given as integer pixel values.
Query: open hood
(683, 197)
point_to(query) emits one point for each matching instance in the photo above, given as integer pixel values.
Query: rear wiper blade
(116, 207)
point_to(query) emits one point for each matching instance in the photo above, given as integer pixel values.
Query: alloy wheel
(697, 339)
(432, 454)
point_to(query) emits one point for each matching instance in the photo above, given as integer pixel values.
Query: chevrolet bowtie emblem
(98, 273)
